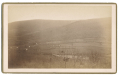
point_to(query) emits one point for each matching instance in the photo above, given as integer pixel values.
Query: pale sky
(20, 12)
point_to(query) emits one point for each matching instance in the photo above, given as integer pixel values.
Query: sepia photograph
(59, 37)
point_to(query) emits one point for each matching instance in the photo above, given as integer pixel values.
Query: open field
(63, 56)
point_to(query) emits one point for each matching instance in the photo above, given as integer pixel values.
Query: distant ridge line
(55, 20)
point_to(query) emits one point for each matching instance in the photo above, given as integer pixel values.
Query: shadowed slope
(59, 30)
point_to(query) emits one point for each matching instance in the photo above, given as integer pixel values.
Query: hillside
(44, 30)
(31, 29)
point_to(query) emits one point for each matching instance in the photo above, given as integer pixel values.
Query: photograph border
(52, 3)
